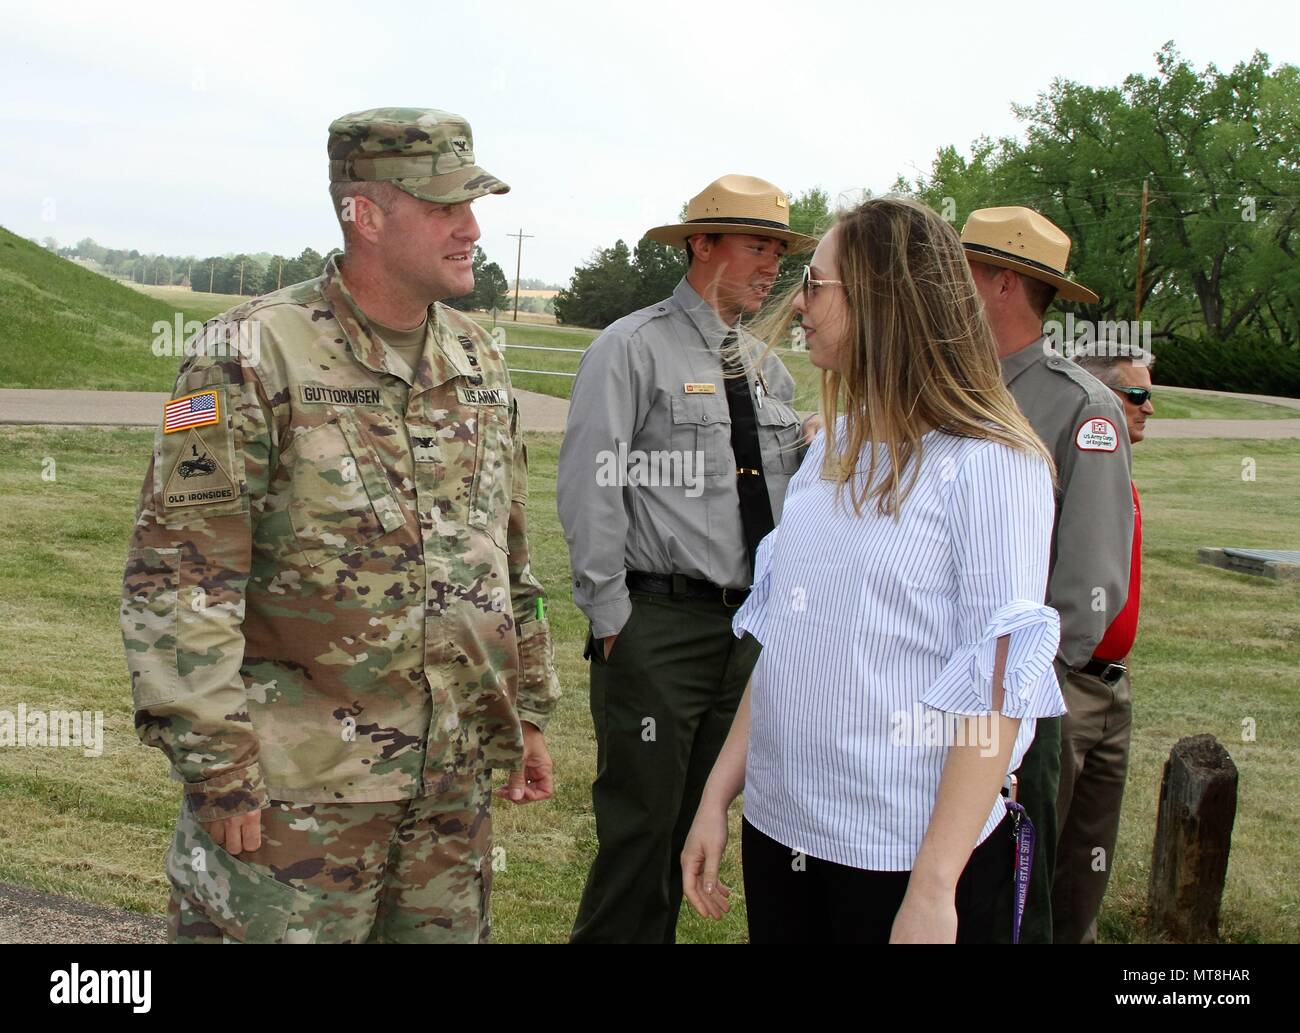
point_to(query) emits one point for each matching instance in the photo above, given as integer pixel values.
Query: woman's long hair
(918, 352)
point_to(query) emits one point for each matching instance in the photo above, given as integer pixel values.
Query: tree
(657, 269)
(810, 214)
(606, 288)
(1218, 151)
(490, 286)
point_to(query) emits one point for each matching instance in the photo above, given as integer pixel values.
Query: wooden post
(279, 275)
(241, 278)
(1189, 860)
(212, 269)
(1142, 250)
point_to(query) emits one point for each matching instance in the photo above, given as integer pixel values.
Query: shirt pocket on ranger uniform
(702, 423)
(780, 433)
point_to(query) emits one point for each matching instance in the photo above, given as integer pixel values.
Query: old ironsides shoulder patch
(198, 476)
(1097, 435)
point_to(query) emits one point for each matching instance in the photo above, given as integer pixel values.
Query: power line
(519, 258)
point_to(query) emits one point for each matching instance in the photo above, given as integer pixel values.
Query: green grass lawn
(1215, 648)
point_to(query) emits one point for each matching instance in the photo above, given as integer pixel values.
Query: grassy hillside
(64, 326)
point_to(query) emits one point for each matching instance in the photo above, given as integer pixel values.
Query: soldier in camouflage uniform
(330, 622)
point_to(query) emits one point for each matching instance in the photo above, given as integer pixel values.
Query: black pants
(793, 899)
(662, 706)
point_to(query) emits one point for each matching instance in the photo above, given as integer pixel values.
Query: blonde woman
(906, 648)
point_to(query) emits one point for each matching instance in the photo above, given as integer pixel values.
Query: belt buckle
(725, 601)
(1113, 673)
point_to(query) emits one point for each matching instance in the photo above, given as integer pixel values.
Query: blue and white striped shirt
(874, 629)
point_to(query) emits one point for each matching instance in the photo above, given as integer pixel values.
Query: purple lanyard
(1022, 830)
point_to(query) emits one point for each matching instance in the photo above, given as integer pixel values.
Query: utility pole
(241, 278)
(519, 257)
(212, 268)
(279, 275)
(1142, 250)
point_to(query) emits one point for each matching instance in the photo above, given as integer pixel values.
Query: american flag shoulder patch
(199, 410)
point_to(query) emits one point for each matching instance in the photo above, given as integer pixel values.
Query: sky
(187, 128)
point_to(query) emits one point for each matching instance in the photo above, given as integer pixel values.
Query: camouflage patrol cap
(423, 151)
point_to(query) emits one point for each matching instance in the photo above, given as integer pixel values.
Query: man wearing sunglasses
(1095, 733)
(680, 442)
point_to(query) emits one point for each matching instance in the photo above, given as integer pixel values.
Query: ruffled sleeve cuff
(753, 614)
(965, 686)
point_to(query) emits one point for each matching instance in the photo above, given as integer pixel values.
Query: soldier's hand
(607, 643)
(237, 834)
(811, 426)
(534, 782)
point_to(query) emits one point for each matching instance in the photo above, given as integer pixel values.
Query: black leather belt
(1108, 672)
(679, 586)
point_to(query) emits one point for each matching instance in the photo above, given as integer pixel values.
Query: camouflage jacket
(327, 595)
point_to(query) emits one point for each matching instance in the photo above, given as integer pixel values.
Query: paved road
(538, 413)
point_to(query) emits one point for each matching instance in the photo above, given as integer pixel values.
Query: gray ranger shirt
(1082, 424)
(647, 478)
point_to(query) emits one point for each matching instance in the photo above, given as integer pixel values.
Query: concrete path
(538, 413)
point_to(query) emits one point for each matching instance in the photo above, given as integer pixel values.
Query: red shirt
(1117, 643)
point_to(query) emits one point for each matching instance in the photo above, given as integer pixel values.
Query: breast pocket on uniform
(490, 493)
(780, 432)
(702, 423)
(339, 496)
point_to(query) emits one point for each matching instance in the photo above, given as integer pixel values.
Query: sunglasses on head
(1136, 395)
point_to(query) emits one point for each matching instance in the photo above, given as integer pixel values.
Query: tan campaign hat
(736, 204)
(1021, 239)
(426, 152)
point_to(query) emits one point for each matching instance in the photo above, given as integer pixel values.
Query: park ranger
(1018, 259)
(680, 441)
(330, 623)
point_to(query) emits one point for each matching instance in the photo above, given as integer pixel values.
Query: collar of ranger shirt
(703, 315)
(1017, 362)
(447, 360)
